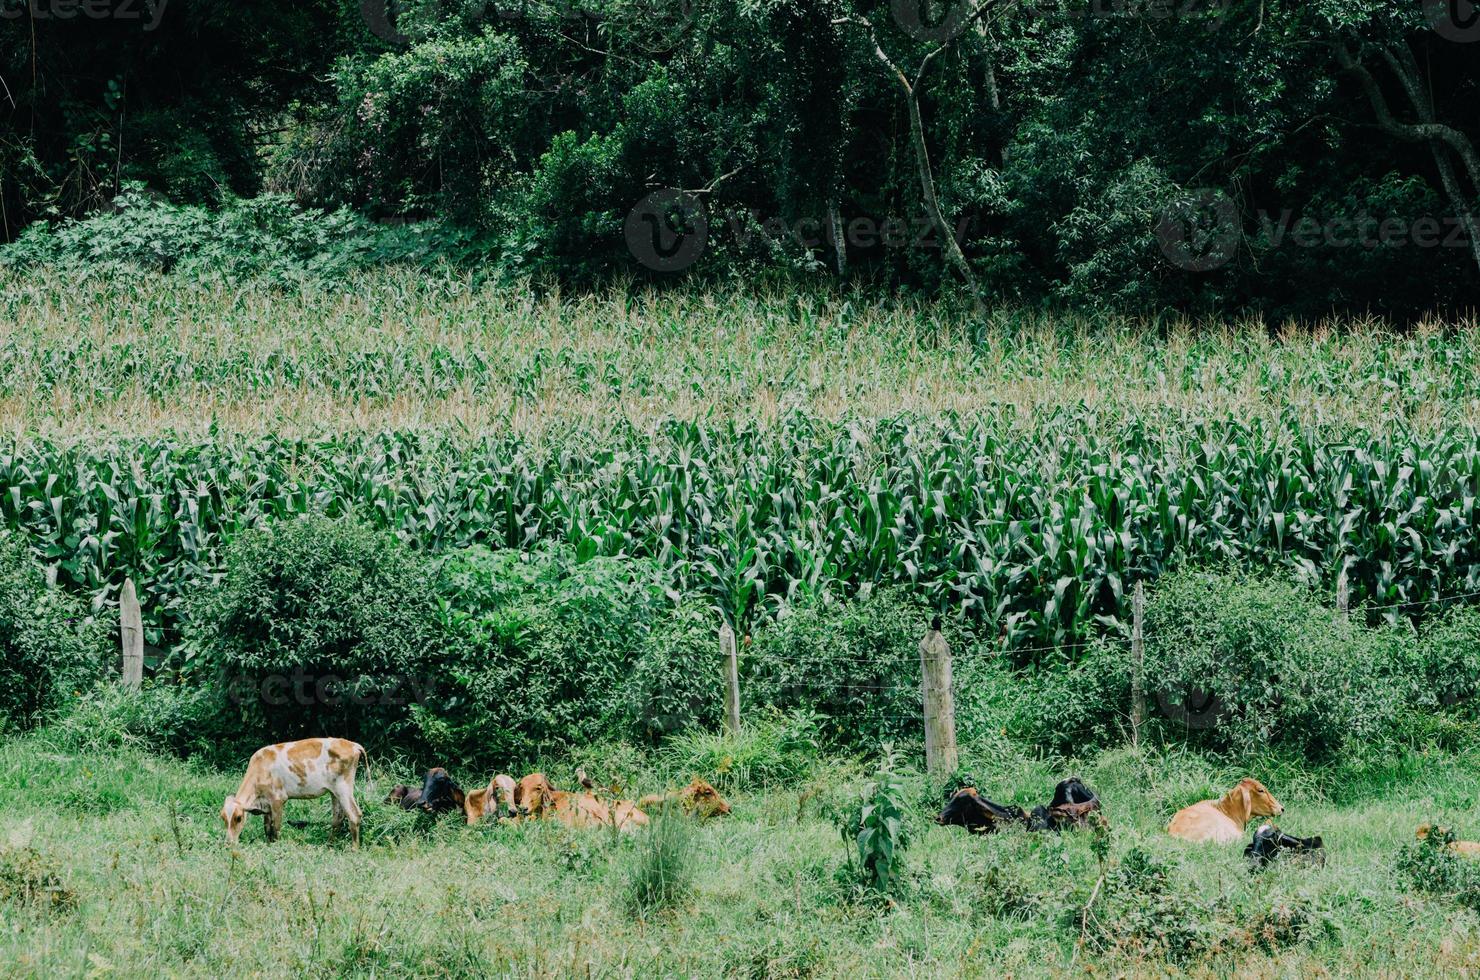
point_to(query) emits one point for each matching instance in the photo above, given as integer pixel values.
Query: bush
(51, 650)
(321, 626)
(1449, 655)
(856, 664)
(1075, 706)
(186, 719)
(1288, 673)
(769, 749)
(552, 652)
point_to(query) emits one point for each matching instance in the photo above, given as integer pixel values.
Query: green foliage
(51, 650)
(1290, 673)
(320, 626)
(1449, 651)
(1429, 865)
(554, 651)
(266, 236)
(855, 663)
(660, 873)
(874, 829)
(770, 749)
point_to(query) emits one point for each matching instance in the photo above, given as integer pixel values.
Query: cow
(301, 770)
(698, 798)
(437, 795)
(1223, 821)
(1465, 848)
(535, 798)
(494, 800)
(979, 815)
(1271, 844)
(1070, 807)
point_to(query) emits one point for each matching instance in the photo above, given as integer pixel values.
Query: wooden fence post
(1138, 662)
(131, 635)
(1343, 591)
(939, 702)
(732, 678)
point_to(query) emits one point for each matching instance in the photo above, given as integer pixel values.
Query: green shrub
(187, 719)
(51, 650)
(1430, 866)
(770, 749)
(855, 663)
(661, 873)
(552, 652)
(1449, 655)
(321, 626)
(1289, 673)
(1078, 705)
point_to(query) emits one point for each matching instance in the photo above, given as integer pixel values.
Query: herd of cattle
(313, 767)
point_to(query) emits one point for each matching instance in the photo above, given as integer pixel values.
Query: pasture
(112, 862)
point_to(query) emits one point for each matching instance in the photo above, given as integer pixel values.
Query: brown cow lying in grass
(698, 798)
(1465, 848)
(1222, 821)
(534, 798)
(301, 770)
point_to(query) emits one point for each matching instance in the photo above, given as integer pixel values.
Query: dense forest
(1294, 159)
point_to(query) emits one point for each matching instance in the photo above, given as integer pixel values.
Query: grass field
(112, 863)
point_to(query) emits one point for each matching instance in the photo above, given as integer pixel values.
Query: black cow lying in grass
(1271, 844)
(437, 795)
(967, 808)
(1070, 808)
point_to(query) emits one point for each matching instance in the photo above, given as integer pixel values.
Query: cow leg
(336, 822)
(344, 799)
(272, 820)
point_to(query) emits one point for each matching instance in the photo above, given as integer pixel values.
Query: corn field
(1034, 527)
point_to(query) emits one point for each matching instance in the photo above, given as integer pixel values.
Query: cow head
(1261, 803)
(1071, 790)
(532, 793)
(967, 808)
(500, 799)
(234, 815)
(703, 800)
(439, 794)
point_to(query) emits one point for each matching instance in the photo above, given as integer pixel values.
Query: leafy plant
(660, 875)
(874, 829)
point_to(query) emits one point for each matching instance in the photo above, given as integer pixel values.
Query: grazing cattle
(968, 808)
(1070, 807)
(301, 770)
(1465, 848)
(1270, 844)
(697, 798)
(1223, 821)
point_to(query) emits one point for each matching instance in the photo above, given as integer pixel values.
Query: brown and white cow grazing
(301, 770)
(1222, 821)
(697, 798)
